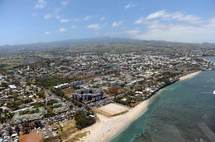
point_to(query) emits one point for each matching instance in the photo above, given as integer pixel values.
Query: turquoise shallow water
(182, 112)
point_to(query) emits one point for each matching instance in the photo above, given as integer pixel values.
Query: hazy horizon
(100, 39)
(35, 21)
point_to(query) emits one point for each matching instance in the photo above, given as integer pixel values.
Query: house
(88, 94)
(1, 77)
(12, 86)
(61, 86)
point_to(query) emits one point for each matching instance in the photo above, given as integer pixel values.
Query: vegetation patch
(84, 119)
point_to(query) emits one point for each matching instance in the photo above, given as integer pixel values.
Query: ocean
(182, 112)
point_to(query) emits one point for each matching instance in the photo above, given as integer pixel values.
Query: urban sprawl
(44, 96)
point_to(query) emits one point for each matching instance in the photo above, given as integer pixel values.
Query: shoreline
(189, 76)
(107, 128)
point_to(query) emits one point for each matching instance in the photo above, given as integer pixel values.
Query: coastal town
(54, 99)
(107, 70)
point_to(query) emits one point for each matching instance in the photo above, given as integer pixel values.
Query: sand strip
(189, 76)
(106, 128)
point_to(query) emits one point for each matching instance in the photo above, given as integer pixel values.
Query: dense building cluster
(42, 94)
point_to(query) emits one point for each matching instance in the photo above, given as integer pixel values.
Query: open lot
(112, 109)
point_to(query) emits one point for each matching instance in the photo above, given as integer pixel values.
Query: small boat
(214, 92)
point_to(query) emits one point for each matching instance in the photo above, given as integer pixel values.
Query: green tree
(83, 119)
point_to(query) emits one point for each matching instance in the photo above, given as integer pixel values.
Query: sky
(30, 21)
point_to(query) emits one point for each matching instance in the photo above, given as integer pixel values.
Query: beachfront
(189, 76)
(108, 127)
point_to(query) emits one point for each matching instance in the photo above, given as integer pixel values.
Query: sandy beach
(189, 76)
(106, 128)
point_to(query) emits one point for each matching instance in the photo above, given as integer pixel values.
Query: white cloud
(116, 24)
(178, 16)
(102, 18)
(47, 33)
(158, 14)
(139, 21)
(129, 5)
(62, 29)
(64, 20)
(174, 26)
(40, 4)
(47, 16)
(180, 32)
(211, 23)
(133, 32)
(95, 27)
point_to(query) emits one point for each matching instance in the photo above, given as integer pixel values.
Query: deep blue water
(182, 112)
